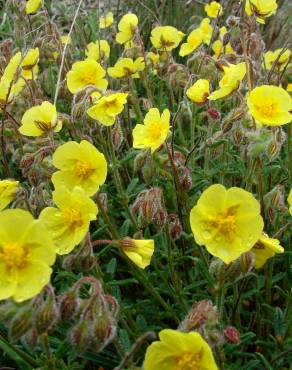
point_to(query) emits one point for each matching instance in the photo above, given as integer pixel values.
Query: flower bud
(175, 227)
(232, 21)
(213, 113)
(117, 136)
(140, 160)
(220, 63)
(27, 161)
(69, 305)
(246, 262)
(226, 39)
(201, 314)
(222, 272)
(231, 335)
(150, 206)
(46, 314)
(80, 336)
(19, 325)
(185, 178)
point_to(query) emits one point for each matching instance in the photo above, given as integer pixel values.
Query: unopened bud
(232, 21)
(220, 63)
(80, 336)
(226, 39)
(140, 160)
(231, 335)
(26, 161)
(46, 316)
(185, 178)
(69, 304)
(175, 227)
(246, 262)
(202, 313)
(213, 113)
(19, 325)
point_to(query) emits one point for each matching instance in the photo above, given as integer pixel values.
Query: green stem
(17, 355)
(135, 100)
(118, 180)
(289, 148)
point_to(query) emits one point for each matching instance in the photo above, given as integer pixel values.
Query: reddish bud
(213, 113)
(231, 335)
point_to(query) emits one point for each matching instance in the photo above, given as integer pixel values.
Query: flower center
(14, 255)
(83, 170)
(189, 361)
(43, 126)
(154, 131)
(166, 41)
(267, 109)
(88, 79)
(225, 223)
(72, 218)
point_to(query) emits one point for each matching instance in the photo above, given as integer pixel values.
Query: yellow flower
(166, 38)
(227, 222)
(32, 6)
(153, 132)
(218, 47)
(86, 73)
(194, 40)
(39, 120)
(264, 249)
(272, 56)
(290, 201)
(80, 165)
(154, 58)
(29, 64)
(138, 251)
(8, 189)
(127, 67)
(176, 350)
(69, 223)
(213, 9)
(233, 74)
(107, 108)
(199, 91)
(65, 39)
(26, 254)
(270, 105)
(99, 50)
(127, 28)
(289, 87)
(106, 21)
(10, 84)
(261, 9)
(207, 30)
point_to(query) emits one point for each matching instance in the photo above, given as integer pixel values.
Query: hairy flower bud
(80, 336)
(68, 305)
(231, 335)
(149, 205)
(246, 262)
(175, 227)
(20, 324)
(46, 314)
(213, 113)
(202, 313)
